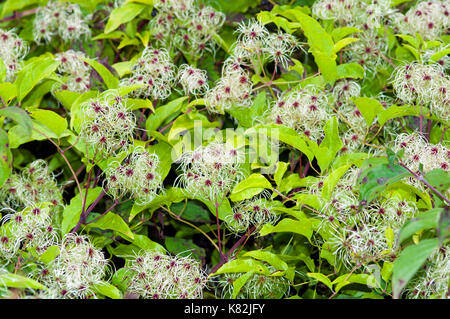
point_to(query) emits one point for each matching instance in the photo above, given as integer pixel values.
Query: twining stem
(84, 215)
(18, 15)
(421, 179)
(191, 225)
(61, 152)
(218, 230)
(233, 248)
(428, 130)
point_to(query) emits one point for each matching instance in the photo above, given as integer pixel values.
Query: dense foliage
(224, 149)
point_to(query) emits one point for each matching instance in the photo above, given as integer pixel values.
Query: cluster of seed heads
(187, 26)
(305, 110)
(417, 151)
(344, 91)
(12, 52)
(155, 71)
(61, 19)
(368, 51)
(424, 84)
(368, 17)
(33, 185)
(365, 15)
(430, 19)
(210, 171)
(432, 280)
(29, 228)
(75, 272)
(137, 176)
(75, 72)
(107, 123)
(153, 275)
(255, 212)
(258, 286)
(256, 44)
(358, 233)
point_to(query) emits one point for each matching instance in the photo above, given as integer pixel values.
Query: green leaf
(19, 116)
(426, 220)
(50, 119)
(49, 254)
(395, 111)
(321, 43)
(113, 222)
(191, 211)
(295, 181)
(2, 71)
(184, 247)
(18, 281)
(283, 134)
(338, 46)
(369, 108)
(143, 242)
(67, 98)
(251, 186)
(246, 116)
(5, 157)
(188, 122)
(243, 265)
(330, 146)
(340, 33)
(33, 73)
(106, 289)
(110, 80)
(439, 179)
(350, 70)
(233, 6)
(375, 180)
(123, 15)
(322, 278)
(240, 282)
(439, 55)
(409, 262)
(331, 180)
(72, 212)
(364, 279)
(279, 173)
(268, 257)
(172, 195)
(162, 113)
(302, 227)
(8, 91)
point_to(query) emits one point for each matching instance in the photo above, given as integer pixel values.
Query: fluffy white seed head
(153, 275)
(33, 185)
(137, 176)
(210, 171)
(256, 212)
(12, 52)
(234, 88)
(428, 18)
(61, 19)
(258, 286)
(75, 271)
(107, 124)
(194, 81)
(155, 70)
(304, 110)
(74, 70)
(419, 83)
